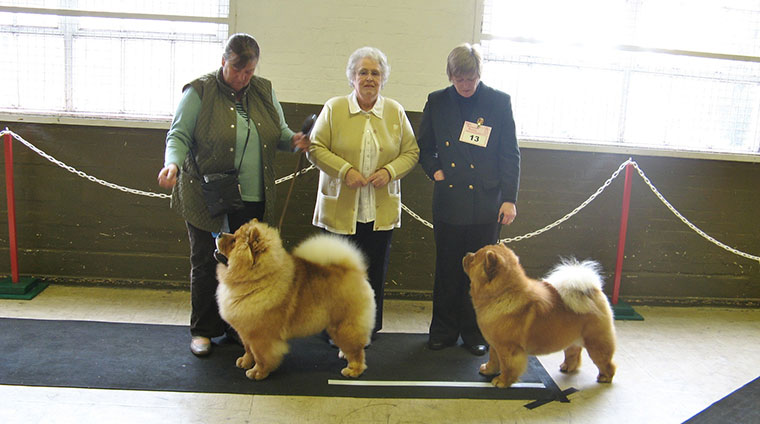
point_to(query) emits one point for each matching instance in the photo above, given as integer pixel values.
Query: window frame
(618, 148)
(71, 117)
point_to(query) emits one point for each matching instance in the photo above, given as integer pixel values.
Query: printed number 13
(474, 138)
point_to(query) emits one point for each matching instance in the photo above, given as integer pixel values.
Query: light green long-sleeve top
(180, 136)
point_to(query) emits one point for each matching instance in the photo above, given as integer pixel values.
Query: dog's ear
(491, 265)
(467, 260)
(253, 237)
(252, 242)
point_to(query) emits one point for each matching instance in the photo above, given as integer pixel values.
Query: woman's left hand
(301, 141)
(507, 213)
(380, 178)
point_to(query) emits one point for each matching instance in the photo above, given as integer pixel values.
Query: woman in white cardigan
(363, 144)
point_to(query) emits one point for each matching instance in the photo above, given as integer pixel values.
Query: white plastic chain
(574, 211)
(80, 173)
(112, 185)
(686, 221)
(293, 175)
(412, 213)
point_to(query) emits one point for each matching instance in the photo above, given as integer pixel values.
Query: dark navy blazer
(477, 179)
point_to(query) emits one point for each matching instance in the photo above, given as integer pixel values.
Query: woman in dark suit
(468, 147)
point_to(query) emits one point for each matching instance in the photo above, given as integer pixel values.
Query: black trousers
(204, 316)
(453, 313)
(376, 246)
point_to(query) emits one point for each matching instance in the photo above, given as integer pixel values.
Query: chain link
(687, 222)
(81, 173)
(412, 213)
(571, 213)
(294, 175)
(112, 185)
(548, 227)
(415, 216)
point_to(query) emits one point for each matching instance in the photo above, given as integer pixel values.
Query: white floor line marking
(483, 384)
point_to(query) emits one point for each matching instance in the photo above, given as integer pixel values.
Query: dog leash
(308, 124)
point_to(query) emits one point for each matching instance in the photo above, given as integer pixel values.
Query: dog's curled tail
(579, 284)
(330, 249)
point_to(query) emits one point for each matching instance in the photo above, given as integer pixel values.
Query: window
(671, 74)
(123, 59)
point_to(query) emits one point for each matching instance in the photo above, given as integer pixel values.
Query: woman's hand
(380, 178)
(300, 141)
(438, 175)
(167, 177)
(507, 213)
(354, 179)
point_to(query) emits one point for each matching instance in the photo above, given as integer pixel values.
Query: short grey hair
(372, 53)
(243, 48)
(464, 60)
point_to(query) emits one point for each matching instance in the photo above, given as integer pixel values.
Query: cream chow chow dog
(269, 296)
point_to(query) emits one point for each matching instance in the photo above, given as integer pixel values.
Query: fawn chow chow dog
(520, 316)
(269, 296)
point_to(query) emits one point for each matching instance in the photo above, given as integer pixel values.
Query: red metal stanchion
(623, 230)
(621, 309)
(10, 194)
(15, 287)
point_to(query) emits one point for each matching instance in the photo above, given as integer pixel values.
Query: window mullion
(69, 27)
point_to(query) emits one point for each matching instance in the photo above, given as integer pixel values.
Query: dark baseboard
(418, 295)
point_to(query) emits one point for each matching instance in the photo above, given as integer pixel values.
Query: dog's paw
(500, 382)
(486, 370)
(244, 363)
(256, 373)
(352, 372)
(569, 366)
(603, 378)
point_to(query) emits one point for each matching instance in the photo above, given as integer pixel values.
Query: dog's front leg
(492, 366)
(260, 370)
(356, 362)
(268, 355)
(513, 360)
(246, 361)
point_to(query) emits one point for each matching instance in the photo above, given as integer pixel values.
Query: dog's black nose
(220, 257)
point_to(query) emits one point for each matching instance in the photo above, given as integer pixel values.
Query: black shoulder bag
(221, 190)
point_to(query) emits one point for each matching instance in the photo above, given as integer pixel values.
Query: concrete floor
(671, 366)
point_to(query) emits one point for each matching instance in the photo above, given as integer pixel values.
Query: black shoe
(438, 344)
(232, 337)
(477, 349)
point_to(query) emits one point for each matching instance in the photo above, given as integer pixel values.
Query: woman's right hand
(300, 141)
(354, 179)
(167, 177)
(438, 175)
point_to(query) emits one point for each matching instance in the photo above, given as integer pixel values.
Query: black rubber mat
(739, 407)
(105, 355)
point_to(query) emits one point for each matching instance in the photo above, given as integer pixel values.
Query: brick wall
(306, 44)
